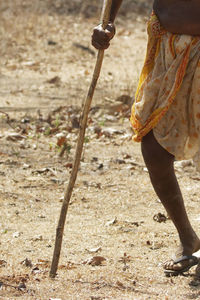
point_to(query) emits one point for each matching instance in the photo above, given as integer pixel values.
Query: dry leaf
(95, 261)
(197, 178)
(195, 282)
(37, 238)
(36, 270)
(127, 156)
(94, 250)
(61, 141)
(120, 285)
(14, 137)
(75, 122)
(109, 132)
(21, 286)
(43, 263)
(44, 170)
(183, 163)
(2, 263)
(113, 221)
(160, 218)
(27, 262)
(68, 266)
(17, 234)
(25, 166)
(69, 165)
(55, 80)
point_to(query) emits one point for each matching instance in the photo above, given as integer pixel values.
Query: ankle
(190, 243)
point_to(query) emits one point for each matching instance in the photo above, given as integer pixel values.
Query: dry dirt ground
(115, 239)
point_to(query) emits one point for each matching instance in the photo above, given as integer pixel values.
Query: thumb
(110, 30)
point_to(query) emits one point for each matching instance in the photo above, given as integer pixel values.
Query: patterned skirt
(167, 100)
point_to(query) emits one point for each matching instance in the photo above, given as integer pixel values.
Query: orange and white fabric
(168, 95)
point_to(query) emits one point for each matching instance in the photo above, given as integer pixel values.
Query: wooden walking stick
(83, 123)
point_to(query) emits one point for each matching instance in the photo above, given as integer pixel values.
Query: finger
(99, 46)
(99, 43)
(109, 34)
(110, 30)
(110, 27)
(101, 36)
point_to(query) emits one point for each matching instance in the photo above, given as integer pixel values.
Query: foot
(183, 259)
(181, 265)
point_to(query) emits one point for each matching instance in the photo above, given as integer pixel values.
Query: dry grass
(113, 203)
(62, 7)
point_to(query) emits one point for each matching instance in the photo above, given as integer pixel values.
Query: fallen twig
(8, 118)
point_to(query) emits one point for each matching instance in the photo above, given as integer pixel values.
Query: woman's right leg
(160, 165)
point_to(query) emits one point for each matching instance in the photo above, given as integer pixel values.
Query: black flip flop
(192, 261)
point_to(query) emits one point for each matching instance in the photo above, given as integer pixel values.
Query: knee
(149, 156)
(156, 158)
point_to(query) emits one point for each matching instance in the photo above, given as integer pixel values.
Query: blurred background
(88, 9)
(47, 57)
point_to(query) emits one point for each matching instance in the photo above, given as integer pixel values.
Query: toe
(179, 264)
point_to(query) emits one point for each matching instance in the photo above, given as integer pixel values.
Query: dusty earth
(115, 236)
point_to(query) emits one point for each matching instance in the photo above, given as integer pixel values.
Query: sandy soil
(114, 244)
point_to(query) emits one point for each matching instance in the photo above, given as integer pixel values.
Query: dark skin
(180, 17)
(176, 16)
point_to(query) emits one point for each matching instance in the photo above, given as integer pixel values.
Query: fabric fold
(167, 99)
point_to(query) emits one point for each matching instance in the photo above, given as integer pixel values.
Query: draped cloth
(167, 99)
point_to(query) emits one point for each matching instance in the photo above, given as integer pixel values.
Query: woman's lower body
(166, 119)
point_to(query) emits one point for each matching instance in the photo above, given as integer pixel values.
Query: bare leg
(160, 164)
